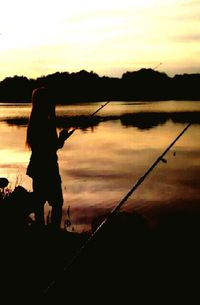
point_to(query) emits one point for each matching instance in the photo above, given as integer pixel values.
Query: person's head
(42, 102)
(43, 109)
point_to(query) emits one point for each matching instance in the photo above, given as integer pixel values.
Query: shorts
(48, 189)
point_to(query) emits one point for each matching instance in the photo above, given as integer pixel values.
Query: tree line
(83, 86)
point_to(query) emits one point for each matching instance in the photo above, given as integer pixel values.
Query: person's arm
(64, 134)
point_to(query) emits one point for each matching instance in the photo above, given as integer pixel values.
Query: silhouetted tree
(15, 89)
(83, 86)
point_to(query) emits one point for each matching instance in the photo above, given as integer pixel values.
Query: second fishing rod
(117, 207)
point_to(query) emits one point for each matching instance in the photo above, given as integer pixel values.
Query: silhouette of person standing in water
(43, 168)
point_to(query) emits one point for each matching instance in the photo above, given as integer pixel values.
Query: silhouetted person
(43, 168)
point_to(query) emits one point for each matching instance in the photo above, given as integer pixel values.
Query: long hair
(42, 110)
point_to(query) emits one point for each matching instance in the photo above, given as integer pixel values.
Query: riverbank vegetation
(126, 260)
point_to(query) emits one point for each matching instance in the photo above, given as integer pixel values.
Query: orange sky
(108, 37)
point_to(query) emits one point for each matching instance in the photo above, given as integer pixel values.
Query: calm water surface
(103, 159)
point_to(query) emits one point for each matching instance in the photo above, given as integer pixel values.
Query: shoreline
(34, 259)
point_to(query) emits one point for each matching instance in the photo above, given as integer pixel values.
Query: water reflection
(141, 120)
(106, 156)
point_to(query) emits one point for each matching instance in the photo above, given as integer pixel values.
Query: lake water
(105, 157)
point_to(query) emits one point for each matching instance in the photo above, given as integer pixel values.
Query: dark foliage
(15, 208)
(145, 84)
(126, 262)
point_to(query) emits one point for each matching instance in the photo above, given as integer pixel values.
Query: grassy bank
(128, 259)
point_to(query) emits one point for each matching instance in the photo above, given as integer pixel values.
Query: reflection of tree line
(147, 120)
(141, 120)
(144, 84)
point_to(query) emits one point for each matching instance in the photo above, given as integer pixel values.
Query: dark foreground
(127, 262)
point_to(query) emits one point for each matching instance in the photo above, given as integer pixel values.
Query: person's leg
(56, 215)
(39, 214)
(56, 201)
(39, 198)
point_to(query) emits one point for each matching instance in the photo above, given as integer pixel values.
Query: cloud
(187, 38)
(190, 3)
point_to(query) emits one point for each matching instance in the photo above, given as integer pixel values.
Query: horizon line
(92, 71)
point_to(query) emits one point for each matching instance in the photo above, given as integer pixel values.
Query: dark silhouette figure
(43, 168)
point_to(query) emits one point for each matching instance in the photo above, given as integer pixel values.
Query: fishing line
(118, 206)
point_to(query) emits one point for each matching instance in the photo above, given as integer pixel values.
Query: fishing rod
(91, 115)
(157, 65)
(119, 205)
(141, 179)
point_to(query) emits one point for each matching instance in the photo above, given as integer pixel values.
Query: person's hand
(63, 134)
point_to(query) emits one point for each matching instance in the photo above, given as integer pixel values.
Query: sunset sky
(108, 37)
